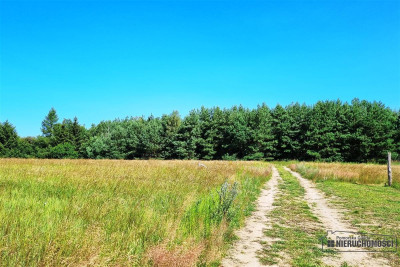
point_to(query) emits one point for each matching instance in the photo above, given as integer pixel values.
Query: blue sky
(101, 60)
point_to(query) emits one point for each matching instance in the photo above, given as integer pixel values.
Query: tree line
(360, 131)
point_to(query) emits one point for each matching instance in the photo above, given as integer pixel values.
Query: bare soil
(245, 250)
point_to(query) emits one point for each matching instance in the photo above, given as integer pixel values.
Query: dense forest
(359, 131)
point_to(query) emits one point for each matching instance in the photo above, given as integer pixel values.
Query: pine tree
(8, 138)
(189, 136)
(170, 124)
(48, 123)
(281, 124)
(262, 143)
(206, 148)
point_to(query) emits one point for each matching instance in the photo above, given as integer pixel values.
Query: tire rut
(331, 219)
(245, 250)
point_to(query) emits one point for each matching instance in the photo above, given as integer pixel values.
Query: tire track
(245, 250)
(332, 220)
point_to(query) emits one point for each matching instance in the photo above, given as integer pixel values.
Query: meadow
(349, 172)
(175, 213)
(119, 213)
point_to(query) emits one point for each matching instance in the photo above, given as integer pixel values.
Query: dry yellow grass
(350, 172)
(118, 213)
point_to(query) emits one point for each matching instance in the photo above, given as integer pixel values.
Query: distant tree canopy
(327, 131)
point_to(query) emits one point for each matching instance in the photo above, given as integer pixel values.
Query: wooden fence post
(389, 169)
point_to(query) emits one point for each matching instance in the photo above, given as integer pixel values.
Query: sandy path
(244, 251)
(332, 220)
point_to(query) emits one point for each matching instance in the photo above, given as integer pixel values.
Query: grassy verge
(122, 213)
(349, 172)
(373, 209)
(296, 229)
(221, 211)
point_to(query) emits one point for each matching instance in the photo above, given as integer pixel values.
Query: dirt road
(250, 238)
(332, 219)
(244, 252)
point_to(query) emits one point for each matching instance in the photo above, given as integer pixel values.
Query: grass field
(349, 172)
(110, 212)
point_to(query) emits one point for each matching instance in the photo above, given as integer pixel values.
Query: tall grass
(348, 172)
(111, 212)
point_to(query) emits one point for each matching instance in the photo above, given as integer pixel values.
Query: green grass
(297, 230)
(122, 213)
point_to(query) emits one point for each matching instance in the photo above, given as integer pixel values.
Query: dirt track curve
(332, 220)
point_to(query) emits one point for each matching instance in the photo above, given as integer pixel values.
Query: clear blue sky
(101, 60)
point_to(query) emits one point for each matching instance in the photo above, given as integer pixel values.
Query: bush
(210, 210)
(62, 151)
